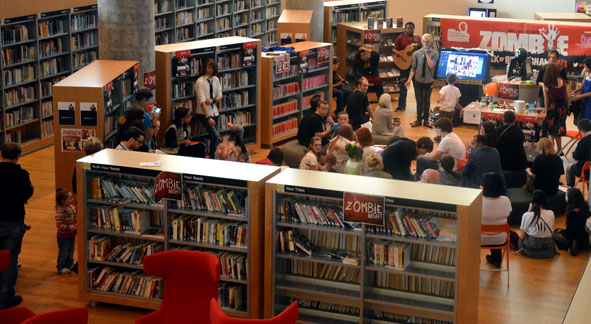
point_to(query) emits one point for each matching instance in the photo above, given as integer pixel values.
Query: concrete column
(126, 32)
(317, 28)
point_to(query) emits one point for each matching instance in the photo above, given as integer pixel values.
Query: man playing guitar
(408, 38)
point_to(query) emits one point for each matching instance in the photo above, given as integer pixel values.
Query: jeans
(424, 163)
(342, 95)
(11, 239)
(402, 98)
(65, 256)
(423, 96)
(214, 135)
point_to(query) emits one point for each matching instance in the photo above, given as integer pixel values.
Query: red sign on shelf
(168, 185)
(495, 116)
(136, 67)
(179, 54)
(150, 80)
(373, 36)
(249, 45)
(109, 86)
(509, 90)
(366, 209)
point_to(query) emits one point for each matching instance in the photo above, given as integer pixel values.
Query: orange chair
(493, 230)
(13, 315)
(583, 178)
(66, 316)
(575, 136)
(191, 280)
(288, 316)
(462, 163)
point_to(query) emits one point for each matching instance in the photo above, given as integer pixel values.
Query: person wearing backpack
(534, 238)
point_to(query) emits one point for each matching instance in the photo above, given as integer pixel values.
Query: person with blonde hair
(375, 166)
(547, 168)
(422, 73)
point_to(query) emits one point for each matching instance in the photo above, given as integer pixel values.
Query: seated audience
(354, 164)
(547, 168)
(534, 237)
(178, 134)
(131, 116)
(365, 140)
(399, 154)
(336, 156)
(450, 144)
(358, 105)
(374, 165)
(581, 153)
(447, 176)
(510, 141)
(316, 125)
(132, 140)
(342, 118)
(430, 176)
(489, 131)
(495, 210)
(310, 159)
(232, 147)
(574, 237)
(274, 158)
(398, 130)
(483, 159)
(382, 116)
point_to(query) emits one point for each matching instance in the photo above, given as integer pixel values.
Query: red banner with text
(359, 208)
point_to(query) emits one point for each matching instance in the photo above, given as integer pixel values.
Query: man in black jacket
(15, 191)
(511, 151)
(582, 153)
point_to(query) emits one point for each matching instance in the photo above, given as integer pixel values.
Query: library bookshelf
(179, 65)
(39, 50)
(289, 80)
(381, 40)
(219, 197)
(352, 273)
(109, 86)
(343, 11)
(187, 20)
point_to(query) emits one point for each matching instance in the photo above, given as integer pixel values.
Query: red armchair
(14, 315)
(66, 316)
(191, 280)
(288, 316)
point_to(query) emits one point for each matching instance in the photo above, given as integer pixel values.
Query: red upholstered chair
(14, 315)
(191, 280)
(288, 316)
(66, 316)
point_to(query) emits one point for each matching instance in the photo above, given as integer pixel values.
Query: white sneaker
(64, 270)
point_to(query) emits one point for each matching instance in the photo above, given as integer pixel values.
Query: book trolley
(343, 272)
(289, 81)
(120, 222)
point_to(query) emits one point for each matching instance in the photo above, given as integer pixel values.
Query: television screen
(466, 65)
(477, 12)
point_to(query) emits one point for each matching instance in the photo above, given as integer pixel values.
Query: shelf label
(19, 19)
(214, 180)
(109, 86)
(360, 208)
(85, 8)
(180, 54)
(313, 191)
(54, 13)
(202, 50)
(124, 170)
(168, 185)
(230, 47)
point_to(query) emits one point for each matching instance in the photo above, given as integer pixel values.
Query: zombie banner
(503, 37)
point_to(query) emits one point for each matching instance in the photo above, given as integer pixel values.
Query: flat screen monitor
(467, 65)
(482, 12)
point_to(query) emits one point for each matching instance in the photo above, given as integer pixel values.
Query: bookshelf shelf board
(284, 136)
(117, 264)
(320, 290)
(106, 293)
(271, 30)
(320, 228)
(241, 11)
(316, 259)
(161, 30)
(22, 124)
(239, 88)
(195, 212)
(241, 26)
(410, 239)
(316, 88)
(20, 103)
(230, 69)
(48, 116)
(205, 19)
(159, 14)
(186, 39)
(222, 1)
(410, 307)
(307, 315)
(286, 78)
(156, 207)
(185, 8)
(323, 68)
(76, 50)
(42, 58)
(54, 75)
(7, 66)
(415, 269)
(210, 246)
(257, 7)
(287, 96)
(257, 35)
(238, 281)
(231, 311)
(286, 114)
(236, 108)
(203, 5)
(273, 17)
(15, 85)
(84, 30)
(223, 16)
(123, 234)
(185, 24)
(31, 40)
(52, 36)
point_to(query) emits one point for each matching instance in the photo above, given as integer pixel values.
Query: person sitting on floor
(336, 156)
(495, 210)
(375, 166)
(430, 176)
(574, 237)
(358, 105)
(232, 147)
(450, 144)
(365, 140)
(547, 168)
(581, 153)
(510, 141)
(274, 158)
(318, 124)
(398, 156)
(447, 176)
(382, 116)
(482, 159)
(132, 140)
(354, 164)
(310, 159)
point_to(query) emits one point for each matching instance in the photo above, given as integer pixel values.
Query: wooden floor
(539, 292)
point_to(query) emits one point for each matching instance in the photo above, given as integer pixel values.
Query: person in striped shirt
(65, 220)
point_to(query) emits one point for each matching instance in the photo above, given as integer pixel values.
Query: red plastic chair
(288, 316)
(14, 315)
(493, 230)
(575, 136)
(191, 280)
(66, 316)
(462, 163)
(583, 178)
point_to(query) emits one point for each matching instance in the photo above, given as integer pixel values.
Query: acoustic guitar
(404, 61)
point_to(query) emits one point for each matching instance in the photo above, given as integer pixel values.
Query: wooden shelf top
(349, 2)
(96, 74)
(377, 187)
(566, 16)
(293, 16)
(362, 25)
(181, 164)
(171, 48)
(302, 46)
(511, 20)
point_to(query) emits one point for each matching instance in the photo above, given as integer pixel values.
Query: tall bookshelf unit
(109, 85)
(189, 20)
(179, 65)
(357, 34)
(37, 51)
(286, 95)
(435, 282)
(170, 225)
(343, 11)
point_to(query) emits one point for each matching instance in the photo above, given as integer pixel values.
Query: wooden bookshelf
(245, 181)
(39, 50)
(174, 90)
(188, 20)
(105, 83)
(562, 16)
(294, 26)
(281, 111)
(354, 36)
(368, 292)
(343, 11)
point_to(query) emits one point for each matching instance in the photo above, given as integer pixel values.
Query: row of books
(81, 22)
(83, 59)
(392, 255)
(222, 9)
(256, 28)
(223, 23)
(46, 128)
(285, 108)
(182, 89)
(233, 80)
(433, 254)
(324, 306)
(402, 282)
(285, 89)
(401, 318)
(333, 240)
(128, 283)
(162, 39)
(386, 58)
(390, 73)
(344, 16)
(184, 33)
(19, 74)
(231, 296)
(285, 126)
(405, 224)
(235, 99)
(229, 61)
(306, 99)
(241, 19)
(184, 17)
(272, 12)
(293, 241)
(237, 118)
(162, 22)
(84, 40)
(119, 219)
(240, 5)
(50, 47)
(315, 81)
(207, 230)
(202, 29)
(229, 202)
(103, 188)
(13, 136)
(128, 253)
(47, 85)
(203, 13)
(162, 6)
(50, 27)
(19, 95)
(257, 15)
(325, 271)
(300, 212)
(14, 34)
(46, 108)
(232, 266)
(14, 55)
(18, 116)
(391, 87)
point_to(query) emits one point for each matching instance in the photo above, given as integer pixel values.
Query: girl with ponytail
(534, 238)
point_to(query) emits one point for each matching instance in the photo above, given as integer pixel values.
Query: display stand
(89, 103)
(232, 196)
(367, 273)
(179, 65)
(39, 50)
(353, 35)
(562, 16)
(288, 83)
(294, 26)
(344, 11)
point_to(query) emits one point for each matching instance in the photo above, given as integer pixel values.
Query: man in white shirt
(132, 140)
(450, 144)
(208, 90)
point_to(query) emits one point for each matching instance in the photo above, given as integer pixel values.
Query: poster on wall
(66, 112)
(249, 57)
(503, 37)
(73, 139)
(88, 114)
(285, 38)
(301, 37)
